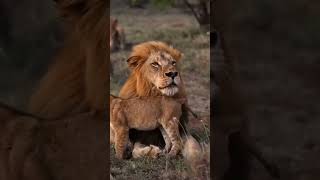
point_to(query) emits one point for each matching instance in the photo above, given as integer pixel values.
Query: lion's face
(161, 70)
(154, 71)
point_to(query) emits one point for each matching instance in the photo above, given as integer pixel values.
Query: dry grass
(181, 31)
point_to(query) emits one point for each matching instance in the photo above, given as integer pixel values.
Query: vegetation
(182, 31)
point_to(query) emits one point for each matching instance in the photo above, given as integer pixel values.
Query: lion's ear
(133, 61)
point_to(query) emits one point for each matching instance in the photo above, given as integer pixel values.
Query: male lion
(154, 72)
(117, 35)
(73, 91)
(77, 80)
(146, 113)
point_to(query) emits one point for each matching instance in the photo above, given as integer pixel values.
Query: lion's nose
(172, 74)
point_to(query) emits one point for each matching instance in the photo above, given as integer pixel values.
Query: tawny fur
(197, 158)
(138, 82)
(75, 84)
(146, 80)
(77, 80)
(141, 150)
(19, 145)
(146, 113)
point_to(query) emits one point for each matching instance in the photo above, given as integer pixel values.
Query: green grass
(145, 168)
(182, 32)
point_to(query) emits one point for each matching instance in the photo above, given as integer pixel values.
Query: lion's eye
(174, 63)
(155, 64)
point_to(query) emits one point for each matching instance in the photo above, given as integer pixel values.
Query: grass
(145, 168)
(182, 32)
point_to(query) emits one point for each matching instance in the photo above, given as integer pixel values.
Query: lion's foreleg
(172, 129)
(112, 136)
(166, 140)
(121, 139)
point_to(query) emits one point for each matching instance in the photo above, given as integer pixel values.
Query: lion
(155, 72)
(73, 92)
(117, 35)
(78, 78)
(146, 113)
(19, 143)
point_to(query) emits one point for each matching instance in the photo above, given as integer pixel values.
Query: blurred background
(278, 65)
(29, 37)
(173, 23)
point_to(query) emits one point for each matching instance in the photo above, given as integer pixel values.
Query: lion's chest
(144, 118)
(144, 124)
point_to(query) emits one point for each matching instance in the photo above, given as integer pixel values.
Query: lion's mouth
(172, 85)
(169, 90)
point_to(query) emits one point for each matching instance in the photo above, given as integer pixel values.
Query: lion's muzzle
(172, 85)
(171, 74)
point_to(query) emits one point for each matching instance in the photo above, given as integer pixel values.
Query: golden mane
(77, 81)
(137, 84)
(144, 50)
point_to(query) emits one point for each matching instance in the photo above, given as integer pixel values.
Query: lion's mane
(77, 80)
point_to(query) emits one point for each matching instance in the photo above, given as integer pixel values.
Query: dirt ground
(181, 30)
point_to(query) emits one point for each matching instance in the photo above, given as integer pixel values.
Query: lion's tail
(197, 157)
(191, 149)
